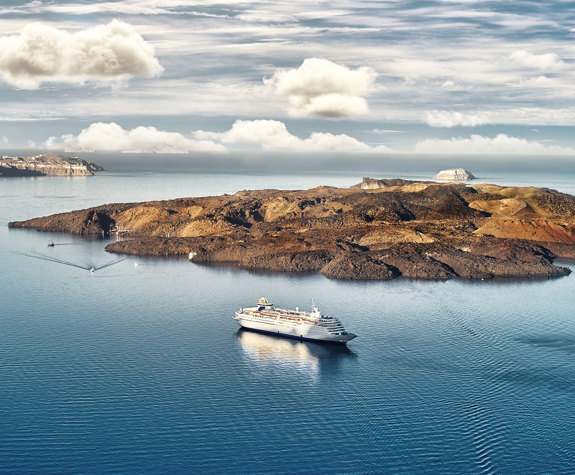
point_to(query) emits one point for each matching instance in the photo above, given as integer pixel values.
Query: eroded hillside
(379, 229)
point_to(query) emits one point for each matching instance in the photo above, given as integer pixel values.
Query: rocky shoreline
(47, 164)
(378, 230)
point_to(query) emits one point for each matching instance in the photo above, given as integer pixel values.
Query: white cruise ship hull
(299, 331)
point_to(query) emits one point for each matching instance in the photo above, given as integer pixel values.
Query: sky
(449, 77)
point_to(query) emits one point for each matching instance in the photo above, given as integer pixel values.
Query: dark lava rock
(307, 261)
(358, 267)
(474, 266)
(413, 261)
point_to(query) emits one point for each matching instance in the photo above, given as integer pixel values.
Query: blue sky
(441, 76)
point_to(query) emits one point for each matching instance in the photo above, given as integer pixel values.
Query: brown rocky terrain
(47, 164)
(381, 229)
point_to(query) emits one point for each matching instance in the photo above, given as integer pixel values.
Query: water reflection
(269, 351)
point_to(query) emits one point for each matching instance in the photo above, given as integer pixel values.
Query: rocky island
(454, 174)
(381, 229)
(48, 164)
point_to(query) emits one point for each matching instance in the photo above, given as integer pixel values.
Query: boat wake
(57, 260)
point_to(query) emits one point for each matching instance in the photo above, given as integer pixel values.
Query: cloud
(268, 134)
(536, 82)
(42, 53)
(454, 87)
(100, 136)
(216, 61)
(273, 135)
(338, 143)
(477, 144)
(546, 61)
(450, 119)
(322, 88)
(387, 131)
(127, 7)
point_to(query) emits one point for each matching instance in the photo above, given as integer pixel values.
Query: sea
(140, 367)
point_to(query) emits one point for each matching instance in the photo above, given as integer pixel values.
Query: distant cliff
(397, 228)
(48, 164)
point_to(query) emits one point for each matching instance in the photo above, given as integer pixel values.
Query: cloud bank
(268, 134)
(101, 136)
(479, 145)
(322, 88)
(42, 53)
(273, 135)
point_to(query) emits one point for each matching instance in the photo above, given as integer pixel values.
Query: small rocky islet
(454, 174)
(376, 230)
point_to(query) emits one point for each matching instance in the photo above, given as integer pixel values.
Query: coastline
(420, 230)
(47, 164)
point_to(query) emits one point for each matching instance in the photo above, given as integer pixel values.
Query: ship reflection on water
(269, 351)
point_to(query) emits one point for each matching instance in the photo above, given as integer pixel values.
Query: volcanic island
(376, 230)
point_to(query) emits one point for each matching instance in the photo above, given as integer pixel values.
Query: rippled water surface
(140, 367)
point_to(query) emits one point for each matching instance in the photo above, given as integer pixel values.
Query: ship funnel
(264, 302)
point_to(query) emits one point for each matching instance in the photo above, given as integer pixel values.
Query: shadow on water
(558, 342)
(553, 378)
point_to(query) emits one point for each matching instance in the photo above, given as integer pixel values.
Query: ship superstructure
(293, 323)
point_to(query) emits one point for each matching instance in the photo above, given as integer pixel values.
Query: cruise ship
(293, 323)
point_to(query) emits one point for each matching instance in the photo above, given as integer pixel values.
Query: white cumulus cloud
(101, 136)
(450, 119)
(546, 61)
(42, 53)
(322, 88)
(454, 87)
(273, 135)
(501, 144)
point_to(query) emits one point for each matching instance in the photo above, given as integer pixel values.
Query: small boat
(50, 244)
(293, 323)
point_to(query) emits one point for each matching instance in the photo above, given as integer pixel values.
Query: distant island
(454, 174)
(48, 164)
(378, 229)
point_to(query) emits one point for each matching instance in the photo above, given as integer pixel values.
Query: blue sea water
(140, 368)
